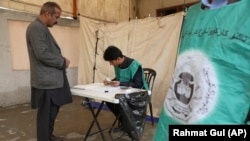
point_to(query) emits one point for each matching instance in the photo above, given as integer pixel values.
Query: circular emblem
(193, 90)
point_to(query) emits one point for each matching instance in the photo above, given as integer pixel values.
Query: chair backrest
(149, 75)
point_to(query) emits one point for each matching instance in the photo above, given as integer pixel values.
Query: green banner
(211, 82)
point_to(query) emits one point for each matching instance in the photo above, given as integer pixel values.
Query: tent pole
(94, 68)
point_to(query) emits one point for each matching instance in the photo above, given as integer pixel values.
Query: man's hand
(67, 62)
(114, 83)
(106, 82)
(111, 83)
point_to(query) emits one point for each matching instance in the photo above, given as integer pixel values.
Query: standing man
(49, 84)
(128, 72)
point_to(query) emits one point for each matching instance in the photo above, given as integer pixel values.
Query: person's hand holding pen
(114, 83)
(111, 83)
(108, 81)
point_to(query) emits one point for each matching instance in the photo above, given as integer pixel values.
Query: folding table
(99, 91)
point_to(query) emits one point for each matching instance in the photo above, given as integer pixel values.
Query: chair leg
(151, 113)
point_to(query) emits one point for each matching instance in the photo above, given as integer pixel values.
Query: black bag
(133, 112)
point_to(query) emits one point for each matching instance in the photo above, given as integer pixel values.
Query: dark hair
(49, 7)
(112, 53)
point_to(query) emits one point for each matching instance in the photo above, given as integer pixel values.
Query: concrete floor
(18, 123)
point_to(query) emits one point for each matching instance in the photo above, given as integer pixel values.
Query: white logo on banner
(193, 90)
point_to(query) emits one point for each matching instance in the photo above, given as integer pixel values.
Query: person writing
(49, 84)
(128, 72)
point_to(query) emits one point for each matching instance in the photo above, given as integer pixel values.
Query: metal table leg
(95, 115)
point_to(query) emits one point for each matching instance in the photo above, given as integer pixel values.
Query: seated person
(128, 72)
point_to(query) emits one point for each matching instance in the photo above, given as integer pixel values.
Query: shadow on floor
(18, 123)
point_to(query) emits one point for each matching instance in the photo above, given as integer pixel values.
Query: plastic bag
(133, 112)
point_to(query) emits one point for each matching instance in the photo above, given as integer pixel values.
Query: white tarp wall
(152, 41)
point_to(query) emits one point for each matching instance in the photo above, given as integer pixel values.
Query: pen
(107, 78)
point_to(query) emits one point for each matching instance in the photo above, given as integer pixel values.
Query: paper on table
(98, 87)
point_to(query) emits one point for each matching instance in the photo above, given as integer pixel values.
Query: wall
(146, 7)
(33, 6)
(106, 10)
(15, 83)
